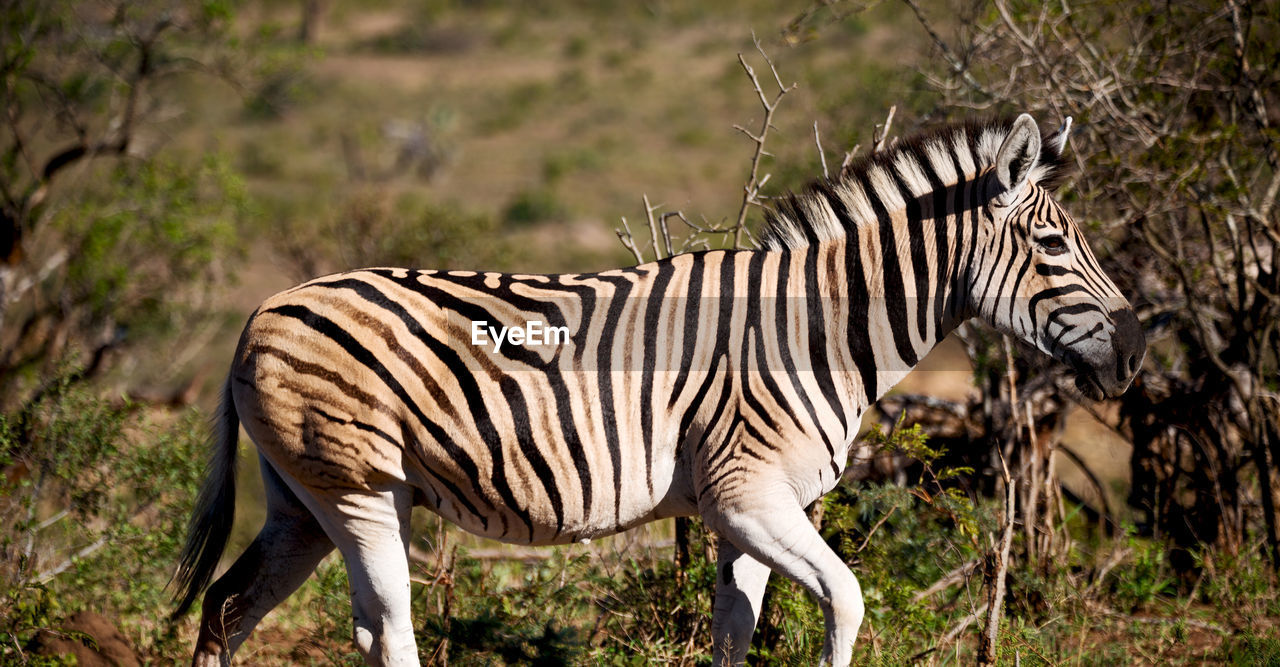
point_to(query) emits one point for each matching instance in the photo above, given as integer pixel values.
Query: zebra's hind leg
(740, 584)
(781, 536)
(282, 556)
(371, 529)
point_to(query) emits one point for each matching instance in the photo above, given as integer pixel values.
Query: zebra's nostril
(1129, 339)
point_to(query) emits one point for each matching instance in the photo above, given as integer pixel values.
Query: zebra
(724, 384)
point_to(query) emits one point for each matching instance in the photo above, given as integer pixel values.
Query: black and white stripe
(727, 384)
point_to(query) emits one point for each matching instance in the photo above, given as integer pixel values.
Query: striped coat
(544, 409)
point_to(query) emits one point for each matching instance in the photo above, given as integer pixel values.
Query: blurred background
(165, 166)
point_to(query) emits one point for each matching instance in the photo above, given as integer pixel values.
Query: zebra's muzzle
(1087, 382)
(1131, 346)
(1106, 370)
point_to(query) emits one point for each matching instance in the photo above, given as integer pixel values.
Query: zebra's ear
(1018, 155)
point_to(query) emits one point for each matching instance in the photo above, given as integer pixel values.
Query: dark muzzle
(1131, 348)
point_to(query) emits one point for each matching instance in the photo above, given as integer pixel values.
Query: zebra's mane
(804, 218)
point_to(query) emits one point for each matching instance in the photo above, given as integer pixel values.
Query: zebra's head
(1036, 277)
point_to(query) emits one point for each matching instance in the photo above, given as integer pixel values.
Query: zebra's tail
(214, 511)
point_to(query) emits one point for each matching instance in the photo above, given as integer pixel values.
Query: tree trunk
(310, 24)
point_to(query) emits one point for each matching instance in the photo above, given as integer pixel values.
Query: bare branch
(879, 139)
(850, 155)
(957, 65)
(666, 231)
(1182, 619)
(628, 241)
(882, 131)
(948, 580)
(45, 576)
(822, 158)
(751, 190)
(653, 229)
(867, 539)
(955, 631)
(994, 571)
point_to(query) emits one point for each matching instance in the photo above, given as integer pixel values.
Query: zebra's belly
(546, 533)
(545, 494)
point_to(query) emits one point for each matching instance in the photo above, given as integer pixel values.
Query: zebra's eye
(1053, 245)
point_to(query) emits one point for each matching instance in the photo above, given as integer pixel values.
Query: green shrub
(368, 227)
(1145, 577)
(535, 620)
(96, 521)
(534, 205)
(1252, 649)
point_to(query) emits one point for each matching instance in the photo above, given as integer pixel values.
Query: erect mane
(942, 153)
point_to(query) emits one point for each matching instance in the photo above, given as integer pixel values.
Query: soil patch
(93, 640)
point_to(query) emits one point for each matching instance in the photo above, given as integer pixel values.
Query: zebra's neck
(893, 287)
(901, 226)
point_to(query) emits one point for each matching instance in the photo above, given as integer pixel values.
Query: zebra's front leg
(775, 531)
(740, 584)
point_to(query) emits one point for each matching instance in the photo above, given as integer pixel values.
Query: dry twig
(751, 190)
(822, 157)
(994, 571)
(948, 580)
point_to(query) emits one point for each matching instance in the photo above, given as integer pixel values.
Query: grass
(623, 600)
(651, 95)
